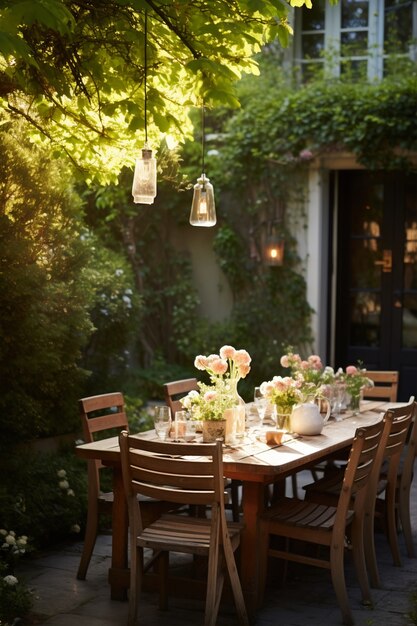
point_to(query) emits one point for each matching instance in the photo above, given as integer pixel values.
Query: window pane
(313, 19)
(367, 210)
(365, 274)
(365, 319)
(409, 330)
(398, 25)
(312, 71)
(410, 237)
(354, 43)
(312, 46)
(355, 13)
(354, 70)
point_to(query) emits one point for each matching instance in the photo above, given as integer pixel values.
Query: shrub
(46, 494)
(15, 597)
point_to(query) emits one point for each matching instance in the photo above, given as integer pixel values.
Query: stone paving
(307, 598)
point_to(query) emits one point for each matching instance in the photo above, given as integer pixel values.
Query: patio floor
(308, 597)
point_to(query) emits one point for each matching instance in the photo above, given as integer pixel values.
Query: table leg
(253, 503)
(119, 573)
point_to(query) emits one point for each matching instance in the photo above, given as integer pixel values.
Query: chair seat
(106, 498)
(190, 535)
(302, 514)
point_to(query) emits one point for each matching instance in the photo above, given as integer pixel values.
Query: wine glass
(162, 421)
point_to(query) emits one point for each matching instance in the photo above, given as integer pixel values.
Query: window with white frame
(354, 37)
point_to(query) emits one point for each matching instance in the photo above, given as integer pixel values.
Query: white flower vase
(240, 412)
(232, 417)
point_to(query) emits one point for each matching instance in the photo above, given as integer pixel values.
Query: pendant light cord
(202, 137)
(146, 74)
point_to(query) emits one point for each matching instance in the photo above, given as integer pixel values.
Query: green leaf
(15, 46)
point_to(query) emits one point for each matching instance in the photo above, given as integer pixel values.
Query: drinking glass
(261, 404)
(162, 421)
(180, 425)
(336, 400)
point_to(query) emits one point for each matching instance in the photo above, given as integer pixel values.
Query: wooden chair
(100, 413)
(189, 474)
(385, 386)
(327, 490)
(177, 389)
(403, 486)
(325, 525)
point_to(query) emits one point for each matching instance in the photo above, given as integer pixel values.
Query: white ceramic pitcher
(306, 418)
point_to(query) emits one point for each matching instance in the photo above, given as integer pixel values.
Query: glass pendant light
(203, 210)
(144, 179)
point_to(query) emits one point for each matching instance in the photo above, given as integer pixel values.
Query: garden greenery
(75, 70)
(95, 295)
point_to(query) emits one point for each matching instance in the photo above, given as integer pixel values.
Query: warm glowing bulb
(203, 210)
(202, 207)
(274, 251)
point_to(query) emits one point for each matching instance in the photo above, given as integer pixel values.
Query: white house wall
(216, 299)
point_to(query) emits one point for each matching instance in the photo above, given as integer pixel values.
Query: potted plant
(211, 401)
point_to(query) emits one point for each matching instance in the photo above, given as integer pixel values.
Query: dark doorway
(376, 309)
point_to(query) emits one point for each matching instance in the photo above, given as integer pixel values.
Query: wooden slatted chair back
(385, 386)
(405, 478)
(161, 470)
(360, 467)
(387, 481)
(189, 474)
(102, 412)
(176, 390)
(105, 412)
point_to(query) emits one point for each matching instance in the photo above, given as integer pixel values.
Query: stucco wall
(215, 296)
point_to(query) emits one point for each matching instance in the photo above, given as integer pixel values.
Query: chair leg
(338, 579)
(235, 501)
(210, 614)
(358, 553)
(230, 562)
(136, 566)
(370, 554)
(390, 511)
(89, 542)
(163, 567)
(294, 485)
(404, 512)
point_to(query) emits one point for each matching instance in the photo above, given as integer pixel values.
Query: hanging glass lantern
(144, 180)
(203, 210)
(273, 250)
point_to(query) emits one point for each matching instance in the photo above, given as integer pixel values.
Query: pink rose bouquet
(225, 370)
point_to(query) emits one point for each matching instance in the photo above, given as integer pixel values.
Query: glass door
(376, 311)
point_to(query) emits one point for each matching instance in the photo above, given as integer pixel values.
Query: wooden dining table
(253, 462)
